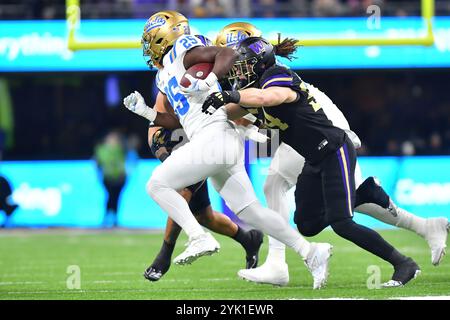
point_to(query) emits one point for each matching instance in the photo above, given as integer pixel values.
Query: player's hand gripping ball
(198, 78)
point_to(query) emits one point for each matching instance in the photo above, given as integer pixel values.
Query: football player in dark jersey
(325, 190)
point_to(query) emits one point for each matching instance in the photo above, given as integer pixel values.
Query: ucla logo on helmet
(156, 22)
(257, 47)
(235, 37)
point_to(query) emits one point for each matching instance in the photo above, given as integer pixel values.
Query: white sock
(409, 221)
(271, 223)
(275, 189)
(175, 206)
(404, 219)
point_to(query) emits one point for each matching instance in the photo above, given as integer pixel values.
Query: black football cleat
(252, 248)
(157, 270)
(403, 273)
(153, 274)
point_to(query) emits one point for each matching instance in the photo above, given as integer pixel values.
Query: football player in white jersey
(162, 141)
(214, 149)
(287, 164)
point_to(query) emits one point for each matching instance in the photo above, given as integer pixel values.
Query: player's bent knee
(306, 230)
(153, 186)
(342, 227)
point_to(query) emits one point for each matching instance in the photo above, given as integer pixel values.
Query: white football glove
(199, 84)
(136, 103)
(251, 132)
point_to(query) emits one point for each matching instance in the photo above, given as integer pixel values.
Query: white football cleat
(275, 273)
(436, 235)
(201, 245)
(317, 263)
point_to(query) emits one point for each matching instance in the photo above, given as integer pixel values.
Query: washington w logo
(257, 47)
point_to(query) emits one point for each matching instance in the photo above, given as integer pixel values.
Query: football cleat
(276, 274)
(158, 268)
(317, 263)
(403, 273)
(252, 249)
(199, 246)
(153, 274)
(436, 233)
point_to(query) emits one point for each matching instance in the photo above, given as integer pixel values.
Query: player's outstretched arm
(251, 98)
(136, 104)
(270, 97)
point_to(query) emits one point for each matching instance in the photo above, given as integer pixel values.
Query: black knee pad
(370, 191)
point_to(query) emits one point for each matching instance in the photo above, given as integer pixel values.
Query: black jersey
(302, 124)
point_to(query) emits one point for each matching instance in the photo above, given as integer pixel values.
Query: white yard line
(423, 298)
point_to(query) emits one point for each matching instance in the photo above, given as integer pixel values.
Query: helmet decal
(154, 22)
(235, 37)
(257, 47)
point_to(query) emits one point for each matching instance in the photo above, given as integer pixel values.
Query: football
(199, 71)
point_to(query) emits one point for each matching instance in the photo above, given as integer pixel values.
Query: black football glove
(218, 99)
(162, 143)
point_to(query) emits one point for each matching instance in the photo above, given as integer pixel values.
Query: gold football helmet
(160, 33)
(231, 34)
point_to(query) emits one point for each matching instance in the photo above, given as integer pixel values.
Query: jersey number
(273, 122)
(188, 41)
(178, 101)
(311, 100)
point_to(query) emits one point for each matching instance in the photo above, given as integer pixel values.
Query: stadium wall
(70, 193)
(37, 46)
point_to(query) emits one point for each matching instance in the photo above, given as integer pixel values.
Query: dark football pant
(325, 192)
(325, 196)
(200, 198)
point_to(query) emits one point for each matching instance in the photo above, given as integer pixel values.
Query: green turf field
(33, 265)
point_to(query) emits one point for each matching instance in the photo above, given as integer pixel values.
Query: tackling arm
(270, 97)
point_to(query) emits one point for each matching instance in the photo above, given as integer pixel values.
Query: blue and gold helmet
(233, 33)
(160, 33)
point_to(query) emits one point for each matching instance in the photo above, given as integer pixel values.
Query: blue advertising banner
(42, 45)
(70, 193)
(420, 185)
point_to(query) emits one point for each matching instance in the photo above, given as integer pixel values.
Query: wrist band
(234, 96)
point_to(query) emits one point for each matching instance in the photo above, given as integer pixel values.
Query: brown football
(199, 71)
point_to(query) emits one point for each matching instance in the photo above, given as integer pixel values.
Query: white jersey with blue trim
(187, 107)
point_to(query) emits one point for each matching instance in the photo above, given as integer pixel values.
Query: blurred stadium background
(58, 105)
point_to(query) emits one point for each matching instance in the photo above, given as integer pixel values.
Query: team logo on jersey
(156, 22)
(257, 47)
(234, 38)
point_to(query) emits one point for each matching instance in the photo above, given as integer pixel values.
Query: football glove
(199, 84)
(162, 143)
(136, 103)
(218, 99)
(251, 132)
